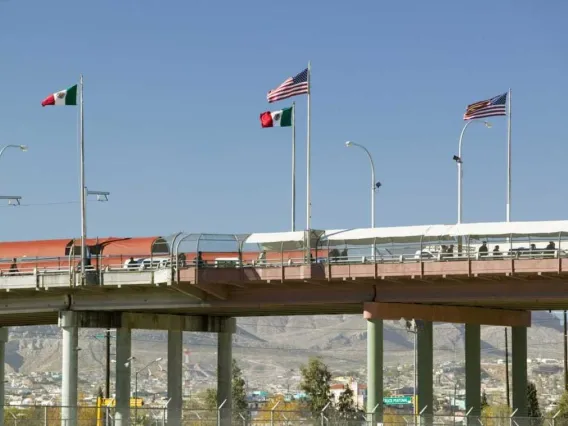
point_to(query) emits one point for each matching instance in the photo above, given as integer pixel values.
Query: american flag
(487, 108)
(293, 86)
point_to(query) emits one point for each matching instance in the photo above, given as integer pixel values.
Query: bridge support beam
(151, 321)
(175, 376)
(425, 371)
(225, 370)
(519, 355)
(473, 370)
(445, 313)
(3, 340)
(374, 370)
(123, 376)
(69, 367)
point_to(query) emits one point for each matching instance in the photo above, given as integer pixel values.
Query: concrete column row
(125, 368)
(68, 324)
(374, 370)
(425, 365)
(69, 367)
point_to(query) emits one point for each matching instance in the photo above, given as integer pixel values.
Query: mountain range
(271, 349)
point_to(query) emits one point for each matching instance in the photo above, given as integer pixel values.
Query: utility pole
(565, 353)
(107, 373)
(507, 368)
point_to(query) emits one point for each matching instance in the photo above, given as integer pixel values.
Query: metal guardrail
(56, 266)
(158, 415)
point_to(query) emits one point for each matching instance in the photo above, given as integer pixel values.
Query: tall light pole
(101, 196)
(349, 144)
(12, 198)
(16, 199)
(136, 385)
(458, 159)
(565, 352)
(374, 184)
(22, 148)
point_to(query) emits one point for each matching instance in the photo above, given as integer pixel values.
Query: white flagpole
(509, 160)
(83, 189)
(293, 166)
(308, 187)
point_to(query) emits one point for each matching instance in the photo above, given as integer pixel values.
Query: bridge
(476, 274)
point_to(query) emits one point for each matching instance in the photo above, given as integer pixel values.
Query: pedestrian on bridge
(13, 267)
(483, 249)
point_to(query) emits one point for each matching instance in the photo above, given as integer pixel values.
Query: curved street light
(374, 184)
(459, 161)
(12, 198)
(136, 384)
(22, 148)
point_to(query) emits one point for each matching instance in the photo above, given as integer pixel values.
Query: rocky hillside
(268, 347)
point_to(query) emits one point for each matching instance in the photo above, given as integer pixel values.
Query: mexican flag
(282, 118)
(63, 97)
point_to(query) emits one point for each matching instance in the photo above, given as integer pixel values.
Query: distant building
(359, 392)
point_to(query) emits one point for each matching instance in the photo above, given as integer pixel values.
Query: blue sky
(173, 91)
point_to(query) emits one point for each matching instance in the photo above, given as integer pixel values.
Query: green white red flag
(280, 118)
(63, 97)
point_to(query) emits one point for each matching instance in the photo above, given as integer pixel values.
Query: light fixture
(13, 200)
(348, 143)
(101, 195)
(24, 148)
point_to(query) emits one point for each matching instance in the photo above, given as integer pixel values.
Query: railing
(31, 268)
(354, 256)
(158, 415)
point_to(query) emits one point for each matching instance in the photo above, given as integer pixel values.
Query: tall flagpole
(83, 189)
(508, 219)
(293, 166)
(509, 160)
(309, 159)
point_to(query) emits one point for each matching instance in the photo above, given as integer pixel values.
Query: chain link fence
(158, 416)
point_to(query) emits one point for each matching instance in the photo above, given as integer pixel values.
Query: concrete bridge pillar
(425, 371)
(3, 340)
(473, 369)
(225, 370)
(374, 370)
(69, 373)
(519, 370)
(123, 376)
(175, 377)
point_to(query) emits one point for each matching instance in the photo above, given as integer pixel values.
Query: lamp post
(374, 185)
(12, 198)
(136, 385)
(459, 162)
(454, 405)
(101, 196)
(22, 148)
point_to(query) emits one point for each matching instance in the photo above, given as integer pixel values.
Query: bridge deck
(283, 289)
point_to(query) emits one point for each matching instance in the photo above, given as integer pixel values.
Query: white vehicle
(148, 263)
(227, 262)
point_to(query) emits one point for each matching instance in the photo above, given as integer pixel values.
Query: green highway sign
(397, 400)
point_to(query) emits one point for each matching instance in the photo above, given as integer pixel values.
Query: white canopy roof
(397, 234)
(425, 233)
(551, 228)
(276, 241)
(275, 237)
